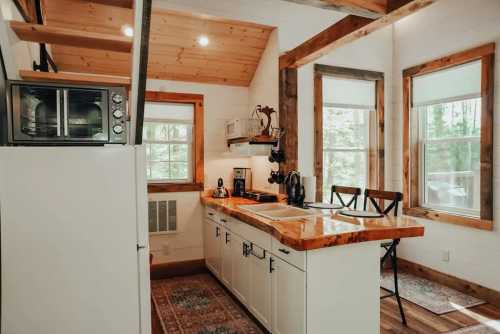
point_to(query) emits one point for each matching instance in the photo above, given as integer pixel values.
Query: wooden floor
(420, 321)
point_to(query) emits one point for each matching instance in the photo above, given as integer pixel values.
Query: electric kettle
(221, 191)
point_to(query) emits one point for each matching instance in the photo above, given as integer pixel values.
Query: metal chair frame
(390, 247)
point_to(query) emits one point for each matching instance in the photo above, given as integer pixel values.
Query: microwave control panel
(118, 116)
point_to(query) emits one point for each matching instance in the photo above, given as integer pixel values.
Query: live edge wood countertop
(330, 229)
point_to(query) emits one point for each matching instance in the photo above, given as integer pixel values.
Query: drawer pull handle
(227, 238)
(245, 249)
(217, 231)
(210, 214)
(223, 220)
(260, 257)
(285, 251)
(271, 269)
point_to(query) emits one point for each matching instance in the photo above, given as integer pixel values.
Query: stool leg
(394, 259)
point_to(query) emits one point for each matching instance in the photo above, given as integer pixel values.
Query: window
(348, 114)
(446, 110)
(167, 134)
(173, 136)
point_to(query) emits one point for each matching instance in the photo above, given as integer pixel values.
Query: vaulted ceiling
(231, 57)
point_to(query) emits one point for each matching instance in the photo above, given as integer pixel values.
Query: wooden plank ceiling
(231, 58)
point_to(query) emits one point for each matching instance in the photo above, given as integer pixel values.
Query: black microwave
(47, 113)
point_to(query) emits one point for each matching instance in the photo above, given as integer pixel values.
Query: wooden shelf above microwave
(258, 140)
(75, 78)
(70, 37)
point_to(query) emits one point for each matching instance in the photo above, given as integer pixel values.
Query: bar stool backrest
(337, 190)
(394, 196)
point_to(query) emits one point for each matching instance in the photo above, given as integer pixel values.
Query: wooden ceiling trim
(345, 31)
(366, 8)
(56, 35)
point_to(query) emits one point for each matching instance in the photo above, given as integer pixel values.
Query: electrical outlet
(445, 256)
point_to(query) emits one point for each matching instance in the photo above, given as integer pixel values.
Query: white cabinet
(226, 258)
(212, 233)
(288, 298)
(241, 268)
(260, 288)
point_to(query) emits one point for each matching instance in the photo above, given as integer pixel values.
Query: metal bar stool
(337, 190)
(391, 246)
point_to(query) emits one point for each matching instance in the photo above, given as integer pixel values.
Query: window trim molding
(411, 174)
(198, 142)
(376, 156)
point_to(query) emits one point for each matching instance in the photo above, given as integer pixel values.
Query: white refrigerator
(74, 240)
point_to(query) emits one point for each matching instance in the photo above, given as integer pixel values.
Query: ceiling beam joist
(347, 30)
(366, 8)
(70, 37)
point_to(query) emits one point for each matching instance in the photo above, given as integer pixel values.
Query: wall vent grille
(162, 216)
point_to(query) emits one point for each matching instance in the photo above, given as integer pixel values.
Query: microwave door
(36, 114)
(85, 114)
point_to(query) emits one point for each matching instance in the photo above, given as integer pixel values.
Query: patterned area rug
(199, 305)
(432, 296)
(492, 327)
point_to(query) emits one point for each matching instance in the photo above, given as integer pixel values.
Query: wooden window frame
(198, 142)
(411, 173)
(376, 154)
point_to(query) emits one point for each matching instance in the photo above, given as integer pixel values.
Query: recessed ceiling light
(128, 30)
(203, 40)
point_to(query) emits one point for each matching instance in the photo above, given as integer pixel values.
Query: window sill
(174, 187)
(443, 217)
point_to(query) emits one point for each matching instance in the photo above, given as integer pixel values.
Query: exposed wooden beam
(69, 37)
(322, 43)
(75, 78)
(345, 31)
(366, 8)
(116, 3)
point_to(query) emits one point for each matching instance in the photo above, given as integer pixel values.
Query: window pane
(158, 152)
(159, 170)
(178, 170)
(179, 132)
(452, 175)
(452, 120)
(179, 152)
(346, 128)
(155, 131)
(346, 168)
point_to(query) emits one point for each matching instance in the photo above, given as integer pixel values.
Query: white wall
(17, 54)
(221, 104)
(446, 27)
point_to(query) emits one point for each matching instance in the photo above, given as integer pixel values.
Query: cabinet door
(288, 298)
(241, 268)
(227, 261)
(260, 285)
(212, 246)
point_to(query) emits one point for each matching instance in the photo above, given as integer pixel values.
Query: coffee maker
(242, 181)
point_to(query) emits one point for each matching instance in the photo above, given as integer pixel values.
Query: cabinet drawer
(250, 233)
(211, 214)
(288, 254)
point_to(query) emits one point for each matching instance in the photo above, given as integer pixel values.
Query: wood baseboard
(473, 289)
(172, 269)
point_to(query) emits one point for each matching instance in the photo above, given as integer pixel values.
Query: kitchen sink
(276, 211)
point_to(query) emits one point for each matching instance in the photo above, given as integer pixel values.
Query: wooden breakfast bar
(282, 270)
